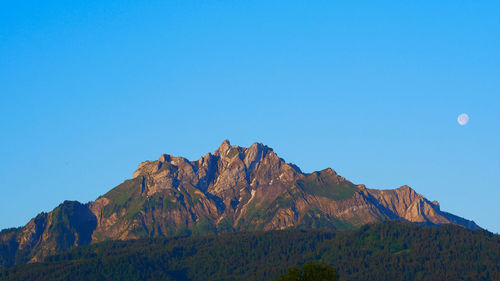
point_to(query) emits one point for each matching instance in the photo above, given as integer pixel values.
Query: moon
(463, 119)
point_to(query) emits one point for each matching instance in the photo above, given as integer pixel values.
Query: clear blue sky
(89, 89)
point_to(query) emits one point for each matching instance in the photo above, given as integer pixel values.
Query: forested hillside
(382, 251)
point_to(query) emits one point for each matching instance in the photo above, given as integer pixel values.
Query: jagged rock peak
(223, 148)
(407, 190)
(165, 158)
(259, 146)
(330, 171)
(405, 187)
(256, 150)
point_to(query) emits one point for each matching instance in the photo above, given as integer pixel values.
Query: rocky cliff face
(233, 189)
(70, 224)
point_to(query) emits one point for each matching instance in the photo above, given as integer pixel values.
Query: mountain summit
(233, 189)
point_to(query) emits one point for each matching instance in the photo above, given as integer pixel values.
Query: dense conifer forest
(383, 251)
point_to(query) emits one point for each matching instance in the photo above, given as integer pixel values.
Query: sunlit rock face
(232, 189)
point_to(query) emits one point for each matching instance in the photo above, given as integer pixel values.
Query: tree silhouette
(310, 271)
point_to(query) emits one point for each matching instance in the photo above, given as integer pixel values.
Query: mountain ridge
(233, 189)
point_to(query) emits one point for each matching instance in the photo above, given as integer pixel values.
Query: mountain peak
(223, 148)
(234, 189)
(165, 158)
(259, 146)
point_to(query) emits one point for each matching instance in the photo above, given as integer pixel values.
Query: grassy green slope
(325, 184)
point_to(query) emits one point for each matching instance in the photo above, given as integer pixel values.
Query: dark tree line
(383, 251)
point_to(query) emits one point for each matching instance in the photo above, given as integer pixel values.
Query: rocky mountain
(232, 189)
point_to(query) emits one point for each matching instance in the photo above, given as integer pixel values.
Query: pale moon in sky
(463, 119)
